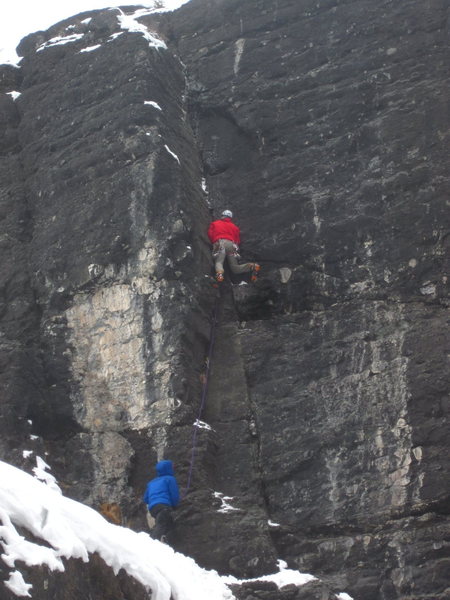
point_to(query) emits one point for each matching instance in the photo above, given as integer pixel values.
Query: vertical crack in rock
(226, 481)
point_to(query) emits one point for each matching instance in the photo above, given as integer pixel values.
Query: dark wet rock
(265, 590)
(10, 78)
(324, 127)
(94, 579)
(315, 127)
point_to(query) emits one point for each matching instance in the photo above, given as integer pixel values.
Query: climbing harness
(219, 247)
(212, 337)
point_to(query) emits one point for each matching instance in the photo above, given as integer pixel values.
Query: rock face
(324, 126)
(79, 580)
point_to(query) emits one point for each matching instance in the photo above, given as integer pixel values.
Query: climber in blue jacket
(161, 497)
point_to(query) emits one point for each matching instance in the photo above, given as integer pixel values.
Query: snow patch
(272, 524)
(203, 425)
(40, 472)
(142, 12)
(90, 48)
(284, 577)
(206, 192)
(115, 35)
(172, 153)
(17, 584)
(27, 453)
(154, 104)
(17, 548)
(226, 507)
(129, 23)
(60, 41)
(14, 95)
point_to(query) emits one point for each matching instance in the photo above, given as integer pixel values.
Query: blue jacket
(164, 488)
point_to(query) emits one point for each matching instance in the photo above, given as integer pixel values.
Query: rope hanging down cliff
(212, 338)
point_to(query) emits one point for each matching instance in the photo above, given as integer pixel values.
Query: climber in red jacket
(225, 237)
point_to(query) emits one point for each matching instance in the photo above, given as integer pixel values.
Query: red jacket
(224, 229)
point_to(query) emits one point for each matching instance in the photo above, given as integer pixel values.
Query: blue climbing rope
(212, 338)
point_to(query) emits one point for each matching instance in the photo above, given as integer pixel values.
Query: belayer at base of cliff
(162, 496)
(225, 237)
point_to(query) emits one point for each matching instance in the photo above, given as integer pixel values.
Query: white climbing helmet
(227, 213)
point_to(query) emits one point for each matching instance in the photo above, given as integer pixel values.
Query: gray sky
(19, 18)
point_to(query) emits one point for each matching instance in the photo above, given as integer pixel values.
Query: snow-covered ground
(73, 530)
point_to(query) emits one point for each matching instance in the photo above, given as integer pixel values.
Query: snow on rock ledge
(74, 530)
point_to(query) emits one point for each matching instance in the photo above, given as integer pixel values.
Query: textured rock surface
(324, 126)
(94, 156)
(260, 590)
(79, 580)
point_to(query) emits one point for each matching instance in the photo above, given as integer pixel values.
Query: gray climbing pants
(227, 249)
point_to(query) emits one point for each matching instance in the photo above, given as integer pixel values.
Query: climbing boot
(219, 277)
(255, 270)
